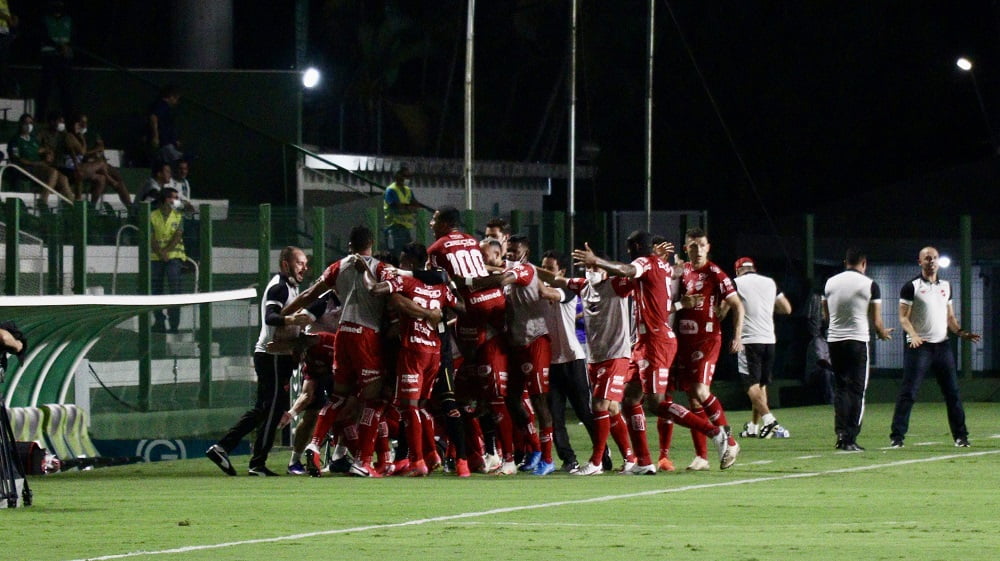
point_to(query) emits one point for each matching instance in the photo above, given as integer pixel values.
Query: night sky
(823, 101)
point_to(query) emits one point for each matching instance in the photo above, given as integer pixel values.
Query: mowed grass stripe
(537, 506)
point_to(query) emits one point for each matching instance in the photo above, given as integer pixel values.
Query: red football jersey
(711, 282)
(458, 254)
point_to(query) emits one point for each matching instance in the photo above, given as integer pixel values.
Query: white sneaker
(729, 458)
(491, 463)
(699, 464)
(721, 441)
(507, 468)
(749, 431)
(589, 469)
(627, 468)
(648, 469)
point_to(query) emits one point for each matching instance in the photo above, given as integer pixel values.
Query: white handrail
(3, 168)
(118, 245)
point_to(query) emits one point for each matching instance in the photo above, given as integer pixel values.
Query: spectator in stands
(159, 179)
(183, 186)
(26, 151)
(88, 162)
(8, 31)
(167, 246)
(400, 209)
(57, 58)
(95, 149)
(166, 147)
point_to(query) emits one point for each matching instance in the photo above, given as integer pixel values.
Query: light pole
(966, 66)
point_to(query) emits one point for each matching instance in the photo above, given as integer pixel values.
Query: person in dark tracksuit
(273, 370)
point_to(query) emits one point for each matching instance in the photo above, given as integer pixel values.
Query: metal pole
(469, 33)
(986, 117)
(965, 280)
(649, 116)
(572, 127)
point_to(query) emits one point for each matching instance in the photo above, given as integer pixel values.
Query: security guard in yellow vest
(400, 209)
(167, 245)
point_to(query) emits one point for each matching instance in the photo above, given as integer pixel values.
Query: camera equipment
(14, 490)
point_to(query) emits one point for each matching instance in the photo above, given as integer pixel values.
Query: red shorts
(652, 358)
(608, 378)
(529, 367)
(415, 374)
(696, 362)
(491, 367)
(357, 356)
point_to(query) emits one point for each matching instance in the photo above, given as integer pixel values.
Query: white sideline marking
(994, 436)
(926, 443)
(759, 463)
(504, 510)
(809, 457)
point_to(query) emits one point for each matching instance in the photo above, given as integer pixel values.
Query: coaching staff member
(926, 315)
(850, 301)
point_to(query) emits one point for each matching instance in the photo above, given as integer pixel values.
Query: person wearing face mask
(86, 159)
(654, 350)
(27, 152)
(530, 349)
(167, 245)
(606, 315)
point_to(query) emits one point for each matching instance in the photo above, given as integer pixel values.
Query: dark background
(817, 105)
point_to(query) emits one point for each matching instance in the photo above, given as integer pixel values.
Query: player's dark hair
(560, 259)
(361, 238)
(449, 215)
(695, 232)
(518, 239)
(500, 223)
(854, 256)
(639, 243)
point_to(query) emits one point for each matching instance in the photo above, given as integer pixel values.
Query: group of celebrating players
(456, 333)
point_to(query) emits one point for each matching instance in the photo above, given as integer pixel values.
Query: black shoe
(570, 467)
(962, 443)
(852, 447)
(221, 459)
(765, 430)
(839, 445)
(896, 443)
(340, 465)
(261, 471)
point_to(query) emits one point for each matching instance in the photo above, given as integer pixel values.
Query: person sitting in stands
(27, 152)
(87, 159)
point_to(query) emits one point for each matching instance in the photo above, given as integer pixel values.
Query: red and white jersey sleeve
(652, 295)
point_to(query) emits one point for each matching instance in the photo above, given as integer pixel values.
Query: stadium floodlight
(964, 63)
(944, 261)
(310, 77)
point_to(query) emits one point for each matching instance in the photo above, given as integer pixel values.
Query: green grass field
(793, 498)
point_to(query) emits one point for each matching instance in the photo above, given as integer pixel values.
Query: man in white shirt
(761, 300)
(927, 316)
(850, 301)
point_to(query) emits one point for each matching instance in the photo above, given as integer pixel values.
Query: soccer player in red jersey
(480, 330)
(530, 352)
(655, 346)
(700, 338)
(357, 365)
(419, 354)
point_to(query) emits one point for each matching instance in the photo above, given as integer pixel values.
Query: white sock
(751, 428)
(767, 419)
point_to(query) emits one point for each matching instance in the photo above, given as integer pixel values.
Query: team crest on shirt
(697, 355)
(601, 371)
(527, 367)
